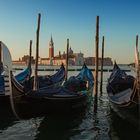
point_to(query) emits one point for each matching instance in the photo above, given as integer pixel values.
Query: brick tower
(51, 49)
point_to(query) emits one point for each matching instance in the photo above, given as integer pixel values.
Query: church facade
(74, 58)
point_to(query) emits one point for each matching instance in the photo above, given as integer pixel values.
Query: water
(102, 125)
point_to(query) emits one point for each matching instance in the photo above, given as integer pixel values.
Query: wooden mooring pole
(137, 39)
(37, 52)
(102, 63)
(0, 53)
(67, 59)
(96, 57)
(30, 55)
(96, 64)
(137, 65)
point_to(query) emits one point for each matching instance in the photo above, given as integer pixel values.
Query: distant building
(106, 62)
(74, 58)
(24, 60)
(90, 60)
(18, 62)
(51, 49)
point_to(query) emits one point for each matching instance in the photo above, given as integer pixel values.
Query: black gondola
(49, 99)
(48, 80)
(24, 77)
(124, 95)
(5, 67)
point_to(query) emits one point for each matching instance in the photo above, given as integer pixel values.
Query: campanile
(51, 48)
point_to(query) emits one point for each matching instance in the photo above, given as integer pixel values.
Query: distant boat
(124, 95)
(72, 96)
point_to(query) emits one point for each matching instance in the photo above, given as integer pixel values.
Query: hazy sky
(73, 19)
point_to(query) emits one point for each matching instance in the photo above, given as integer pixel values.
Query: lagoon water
(88, 125)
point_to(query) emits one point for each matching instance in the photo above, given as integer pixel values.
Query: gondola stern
(15, 87)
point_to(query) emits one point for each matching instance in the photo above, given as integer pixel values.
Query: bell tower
(51, 48)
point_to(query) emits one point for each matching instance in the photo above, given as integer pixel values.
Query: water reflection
(7, 118)
(59, 127)
(121, 129)
(86, 125)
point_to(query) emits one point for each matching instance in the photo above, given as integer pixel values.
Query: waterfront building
(106, 62)
(74, 58)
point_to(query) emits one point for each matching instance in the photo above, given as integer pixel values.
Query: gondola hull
(23, 79)
(124, 96)
(61, 99)
(4, 101)
(32, 106)
(131, 113)
(5, 68)
(28, 107)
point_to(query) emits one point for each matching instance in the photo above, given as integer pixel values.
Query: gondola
(24, 75)
(124, 96)
(55, 79)
(48, 80)
(52, 99)
(4, 85)
(5, 67)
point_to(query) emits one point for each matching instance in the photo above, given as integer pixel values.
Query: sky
(119, 23)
